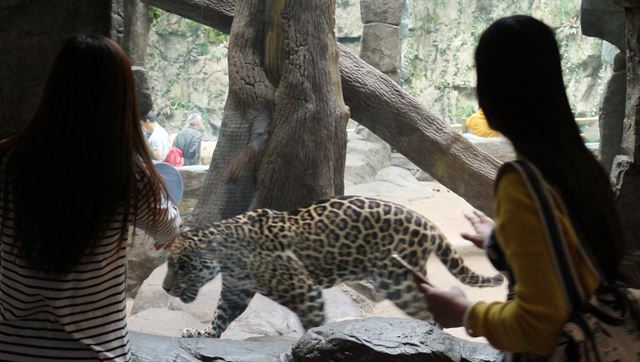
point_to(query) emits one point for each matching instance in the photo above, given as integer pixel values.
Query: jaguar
(291, 256)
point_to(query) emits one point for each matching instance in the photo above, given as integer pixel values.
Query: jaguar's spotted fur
(290, 256)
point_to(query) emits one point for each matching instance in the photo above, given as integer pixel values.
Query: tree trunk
(305, 156)
(379, 104)
(626, 169)
(137, 24)
(250, 95)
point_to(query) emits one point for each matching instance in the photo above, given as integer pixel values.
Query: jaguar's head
(191, 263)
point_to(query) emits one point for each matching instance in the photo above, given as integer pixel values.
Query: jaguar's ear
(213, 243)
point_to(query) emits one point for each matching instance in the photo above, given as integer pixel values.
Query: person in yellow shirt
(477, 125)
(521, 91)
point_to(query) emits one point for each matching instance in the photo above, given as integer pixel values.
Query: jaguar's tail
(453, 261)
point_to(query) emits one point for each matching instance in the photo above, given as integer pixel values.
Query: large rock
(381, 46)
(193, 178)
(381, 11)
(153, 348)
(366, 155)
(386, 340)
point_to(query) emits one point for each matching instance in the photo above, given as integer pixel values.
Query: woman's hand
(482, 225)
(448, 307)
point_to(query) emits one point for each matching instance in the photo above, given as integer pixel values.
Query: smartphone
(413, 271)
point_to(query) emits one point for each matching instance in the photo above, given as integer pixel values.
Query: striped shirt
(80, 316)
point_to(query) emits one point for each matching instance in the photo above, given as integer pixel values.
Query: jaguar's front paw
(195, 333)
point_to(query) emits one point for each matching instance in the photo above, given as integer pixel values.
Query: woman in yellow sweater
(521, 91)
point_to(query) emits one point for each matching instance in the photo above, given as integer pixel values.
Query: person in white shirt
(158, 137)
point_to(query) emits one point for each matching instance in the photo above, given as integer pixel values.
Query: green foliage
(214, 36)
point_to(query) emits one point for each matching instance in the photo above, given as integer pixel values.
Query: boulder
(366, 155)
(386, 340)
(193, 178)
(397, 176)
(381, 11)
(399, 160)
(151, 295)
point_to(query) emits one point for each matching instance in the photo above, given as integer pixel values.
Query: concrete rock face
(381, 47)
(386, 340)
(381, 35)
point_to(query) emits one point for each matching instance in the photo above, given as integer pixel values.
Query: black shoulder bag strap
(540, 191)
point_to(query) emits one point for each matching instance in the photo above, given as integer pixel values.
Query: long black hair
(521, 90)
(73, 166)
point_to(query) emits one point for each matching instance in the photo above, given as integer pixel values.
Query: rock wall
(438, 52)
(187, 68)
(187, 61)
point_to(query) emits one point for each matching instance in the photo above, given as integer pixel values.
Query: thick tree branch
(381, 105)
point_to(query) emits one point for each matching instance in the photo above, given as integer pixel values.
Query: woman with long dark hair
(71, 184)
(521, 91)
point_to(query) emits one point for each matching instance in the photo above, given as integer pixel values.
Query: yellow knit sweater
(533, 320)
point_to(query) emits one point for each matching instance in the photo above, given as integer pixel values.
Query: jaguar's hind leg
(234, 299)
(398, 287)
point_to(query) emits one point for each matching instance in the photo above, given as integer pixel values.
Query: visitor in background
(477, 125)
(521, 90)
(66, 203)
(158, 138)
(189, 140)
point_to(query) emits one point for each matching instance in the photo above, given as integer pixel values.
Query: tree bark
(382, 106)
(305, 156)
(250, 95)
(137, 24)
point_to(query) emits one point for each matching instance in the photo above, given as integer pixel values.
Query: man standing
(158, 137)
(189, 139)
